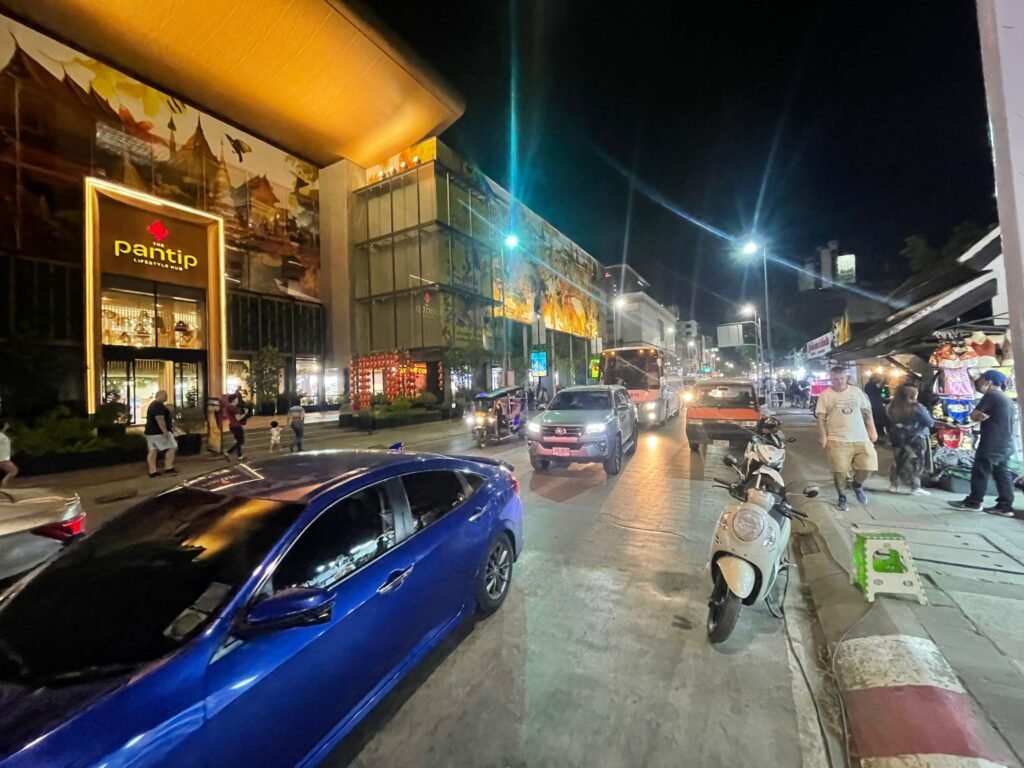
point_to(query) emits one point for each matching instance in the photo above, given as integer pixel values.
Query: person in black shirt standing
(995, 448)
(159, 435)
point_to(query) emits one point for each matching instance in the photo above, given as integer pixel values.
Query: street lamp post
(511, 242)
(750, 249)
(750, 309)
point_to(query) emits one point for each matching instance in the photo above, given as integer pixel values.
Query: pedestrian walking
(909, 426)
(846, 430)
(873, 389)
(9, 467)
(236, 423)
(159, 432)
(995, 447)
(297, 421)
(275, 436)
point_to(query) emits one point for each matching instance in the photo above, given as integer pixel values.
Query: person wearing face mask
(995, 447)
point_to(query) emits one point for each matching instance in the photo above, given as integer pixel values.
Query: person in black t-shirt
(160, 435)
(995, 448)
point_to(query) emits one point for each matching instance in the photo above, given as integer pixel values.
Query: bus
(645, 373)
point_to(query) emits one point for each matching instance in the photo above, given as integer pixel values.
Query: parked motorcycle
(751, 538)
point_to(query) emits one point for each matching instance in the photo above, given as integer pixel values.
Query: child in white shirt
(275, 436)
(9, 468)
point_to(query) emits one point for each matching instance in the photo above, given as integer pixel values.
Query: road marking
(894, 660)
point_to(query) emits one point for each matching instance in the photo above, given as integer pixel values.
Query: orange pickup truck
(721, 409)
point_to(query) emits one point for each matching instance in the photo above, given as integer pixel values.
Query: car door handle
(479, 513)
(394, 581)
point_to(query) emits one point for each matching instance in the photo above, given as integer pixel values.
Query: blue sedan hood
(27, 713)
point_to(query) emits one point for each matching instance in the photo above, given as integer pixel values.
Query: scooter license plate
(561, 451)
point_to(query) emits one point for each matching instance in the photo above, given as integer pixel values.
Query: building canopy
(313, 76)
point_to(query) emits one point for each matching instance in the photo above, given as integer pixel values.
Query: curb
(904, 706)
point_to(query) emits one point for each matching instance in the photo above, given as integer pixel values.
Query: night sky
(862, 122)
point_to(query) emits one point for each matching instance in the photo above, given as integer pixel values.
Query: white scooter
(750, 541)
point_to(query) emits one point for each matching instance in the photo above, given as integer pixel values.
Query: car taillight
(515, 484)
(64, 530)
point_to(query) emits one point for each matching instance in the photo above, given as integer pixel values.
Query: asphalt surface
(599, 656)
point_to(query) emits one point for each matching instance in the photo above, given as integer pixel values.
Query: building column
(336, 238)
(1001, 30)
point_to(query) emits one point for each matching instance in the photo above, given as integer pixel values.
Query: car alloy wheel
(498, 571)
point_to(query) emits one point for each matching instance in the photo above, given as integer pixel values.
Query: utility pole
(1001, 30)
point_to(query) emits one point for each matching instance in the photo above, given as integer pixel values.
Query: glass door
(187, 385)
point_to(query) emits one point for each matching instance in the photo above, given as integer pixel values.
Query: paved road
(599, 656)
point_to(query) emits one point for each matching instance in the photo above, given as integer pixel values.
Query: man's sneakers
(920, 492)
(970, 506)
(858, 491)
(843, 504)
(1001, 511)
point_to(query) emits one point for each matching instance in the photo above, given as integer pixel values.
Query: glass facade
(423, 264)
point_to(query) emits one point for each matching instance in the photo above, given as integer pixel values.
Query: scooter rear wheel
(723, 610)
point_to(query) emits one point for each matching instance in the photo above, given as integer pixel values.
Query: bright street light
(620, 302)
(511, 240)
(750, 248)
(689, 344)
(748, 309)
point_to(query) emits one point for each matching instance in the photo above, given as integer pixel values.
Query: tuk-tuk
(499, 415)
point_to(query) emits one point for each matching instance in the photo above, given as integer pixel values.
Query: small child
(275, 436)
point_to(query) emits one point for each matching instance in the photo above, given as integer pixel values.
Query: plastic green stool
(882, 563)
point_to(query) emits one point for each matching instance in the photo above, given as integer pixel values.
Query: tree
(265, 375)
(31, 375)
(462, 364)
(964, 235)
(919, 253)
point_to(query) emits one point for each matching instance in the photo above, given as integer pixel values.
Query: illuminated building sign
(539, 363)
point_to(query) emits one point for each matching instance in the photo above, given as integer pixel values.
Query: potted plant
(265, 377)
(192, 422)
(111, 419)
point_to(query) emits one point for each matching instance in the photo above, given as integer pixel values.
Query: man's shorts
(844, 457)
(161, 442)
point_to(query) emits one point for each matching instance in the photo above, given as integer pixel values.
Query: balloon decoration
(397, 372)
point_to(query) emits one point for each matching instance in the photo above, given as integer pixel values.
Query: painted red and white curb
(906, 708)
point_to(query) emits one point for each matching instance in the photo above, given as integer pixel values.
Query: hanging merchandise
(957, 382)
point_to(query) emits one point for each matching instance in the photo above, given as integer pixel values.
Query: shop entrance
(135, 382)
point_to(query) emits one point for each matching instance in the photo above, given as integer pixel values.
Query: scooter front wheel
(723, 610)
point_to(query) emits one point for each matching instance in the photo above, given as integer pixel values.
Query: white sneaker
(894, 489)
(920, 492)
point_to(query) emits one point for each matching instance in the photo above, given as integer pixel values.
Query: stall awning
(316, 77)
(902, 329)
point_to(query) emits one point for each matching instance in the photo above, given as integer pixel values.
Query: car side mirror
(298, 607)
(542, 407)
(811, 491)
(730, 461)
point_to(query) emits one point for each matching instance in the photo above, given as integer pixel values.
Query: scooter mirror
(730, 461)
(810, 491)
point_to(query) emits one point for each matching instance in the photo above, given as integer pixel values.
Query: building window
(147, 319)
(307, 380)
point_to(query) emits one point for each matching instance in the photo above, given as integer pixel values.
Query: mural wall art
(64, 116)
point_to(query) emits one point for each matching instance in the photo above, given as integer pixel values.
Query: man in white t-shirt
(847, 431)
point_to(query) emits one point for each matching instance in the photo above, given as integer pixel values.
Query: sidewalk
(107, 491)
(972, 566)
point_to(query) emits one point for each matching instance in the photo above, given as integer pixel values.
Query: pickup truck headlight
(595, 429)
(533, 428)
(651, 406)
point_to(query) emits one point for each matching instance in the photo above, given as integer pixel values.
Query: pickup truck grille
(561, 431)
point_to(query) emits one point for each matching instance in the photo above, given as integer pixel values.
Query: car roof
(725, 383)
(591, 388)
(302, 476)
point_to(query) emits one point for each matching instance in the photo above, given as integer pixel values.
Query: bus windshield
(633, 369)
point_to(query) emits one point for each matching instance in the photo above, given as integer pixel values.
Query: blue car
(253, 616)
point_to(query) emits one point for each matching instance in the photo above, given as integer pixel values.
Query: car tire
(613, 464)
(495, 576)
(541, 465)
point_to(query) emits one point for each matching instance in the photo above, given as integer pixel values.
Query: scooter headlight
(747, 524)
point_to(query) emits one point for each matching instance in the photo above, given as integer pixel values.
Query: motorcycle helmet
(768, 425)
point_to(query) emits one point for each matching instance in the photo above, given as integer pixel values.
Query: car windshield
(725, 396)
(632, 371)
(582, 400)
(138, 587)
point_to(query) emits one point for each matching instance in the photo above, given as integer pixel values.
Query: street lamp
(511, 243)
(750, 248)
(511, 240)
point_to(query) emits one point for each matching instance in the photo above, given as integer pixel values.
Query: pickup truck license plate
(561, 451)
